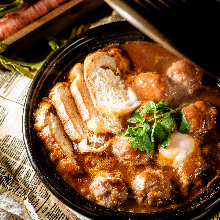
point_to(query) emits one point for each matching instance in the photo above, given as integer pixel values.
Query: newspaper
(22, 194)
(21, 191)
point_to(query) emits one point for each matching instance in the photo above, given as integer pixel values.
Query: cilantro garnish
(184, 126)
(145, 137)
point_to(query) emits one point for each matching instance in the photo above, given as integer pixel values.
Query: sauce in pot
(81, 130)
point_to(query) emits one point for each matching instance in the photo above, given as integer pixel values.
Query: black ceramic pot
(51, 72)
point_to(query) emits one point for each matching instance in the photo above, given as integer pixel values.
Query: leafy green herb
(161, 107)
(136, 117)
(161, 134)
(146, 138)
(25, 68)
(184, 126)
(10, 6)
(149, 107)
(168, 120)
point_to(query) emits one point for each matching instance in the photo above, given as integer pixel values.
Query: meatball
(180, 146)
(126, 154)
(184, 78)
(201, 117)
(184, 154)
(109, 189)
(150, 86)
(193, 170)
(152, 188)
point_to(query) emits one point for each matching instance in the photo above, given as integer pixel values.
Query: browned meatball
(109, 190)
(201, 117)
(150, 86)
(152, 188)
(184, 77)
(184, 154)
(192, 169)
(126, 154)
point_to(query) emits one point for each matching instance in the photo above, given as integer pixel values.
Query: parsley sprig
(145, 137)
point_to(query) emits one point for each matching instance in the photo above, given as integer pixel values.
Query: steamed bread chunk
(106, 87)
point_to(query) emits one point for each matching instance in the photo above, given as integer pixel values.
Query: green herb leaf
(147, 145)
(139, 137)
(162, 135)
(137, 117)
(184, 126)
(132, 141)
(146, 126)
(149, 107)
(146, 138)
(167, 120)
(162, 107)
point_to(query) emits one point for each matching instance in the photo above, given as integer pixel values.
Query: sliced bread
(65, 106)
(95, 120)
(51, 132)
(106, 87)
